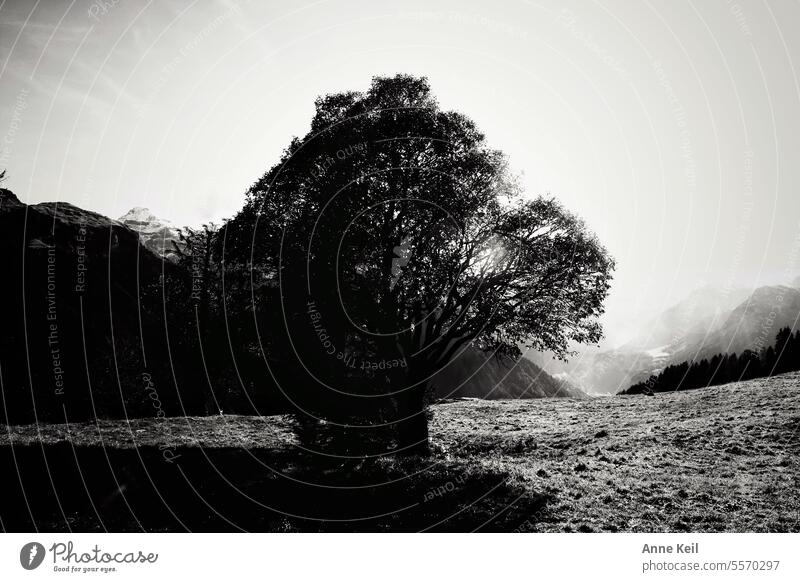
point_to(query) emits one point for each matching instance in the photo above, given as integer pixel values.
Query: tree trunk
(412, 429)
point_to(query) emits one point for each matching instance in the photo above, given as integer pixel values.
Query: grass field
(724, 458)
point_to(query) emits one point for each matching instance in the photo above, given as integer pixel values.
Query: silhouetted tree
(749, 365)
(782, 349)
(388, 239)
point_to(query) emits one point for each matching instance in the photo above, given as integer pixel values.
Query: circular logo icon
(31, 555)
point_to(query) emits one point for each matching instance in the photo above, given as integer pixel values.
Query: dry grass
(718, 459)
(252, 432)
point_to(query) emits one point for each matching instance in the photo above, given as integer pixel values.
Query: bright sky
(671, 127)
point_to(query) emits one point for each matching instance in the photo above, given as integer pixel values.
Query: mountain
(85, 333)
(752, 325)
(156, 234)
(702, 311)
(597, 371)
(479, 375)
(9, 201)
(708, 321)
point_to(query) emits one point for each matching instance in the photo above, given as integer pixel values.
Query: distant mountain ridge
(751, 325)
(703, 309)
(707, 322)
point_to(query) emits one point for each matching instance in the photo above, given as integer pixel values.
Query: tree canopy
(389, 238)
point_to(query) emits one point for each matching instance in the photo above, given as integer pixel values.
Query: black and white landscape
(399, 268)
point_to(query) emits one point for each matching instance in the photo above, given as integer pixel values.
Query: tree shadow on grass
(64, 488)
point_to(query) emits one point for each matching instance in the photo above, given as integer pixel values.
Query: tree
(196, 255)
(782, 343)
(749, 365)
(396, 238)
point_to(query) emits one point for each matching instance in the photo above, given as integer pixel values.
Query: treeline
(784, 356)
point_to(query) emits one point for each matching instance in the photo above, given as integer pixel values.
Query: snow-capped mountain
(155, 233)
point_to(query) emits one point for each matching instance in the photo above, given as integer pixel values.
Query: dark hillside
(84, 329)
(479, 375)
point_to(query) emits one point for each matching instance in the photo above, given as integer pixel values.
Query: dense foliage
(383, 243)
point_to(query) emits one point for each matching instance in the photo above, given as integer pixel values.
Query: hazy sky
(671, 127)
